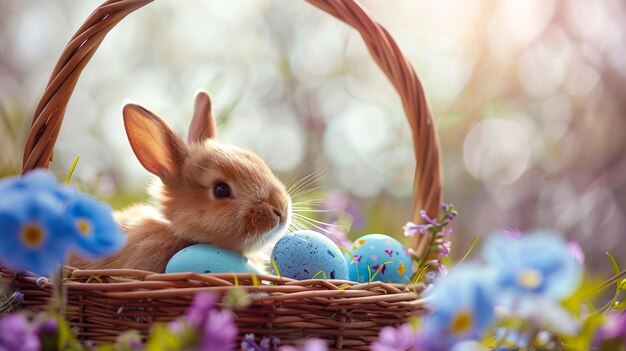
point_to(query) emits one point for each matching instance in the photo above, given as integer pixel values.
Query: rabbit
(208, 192)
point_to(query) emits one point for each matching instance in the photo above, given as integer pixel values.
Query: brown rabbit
(209, 192)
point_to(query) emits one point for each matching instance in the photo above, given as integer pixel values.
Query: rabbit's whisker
(306, 181)
(305, 192)
(300, 216)
(315, 223)
(299, 183)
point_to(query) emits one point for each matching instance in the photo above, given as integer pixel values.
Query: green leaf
(583, 296)
(62, 339)
(380, 267)
(419, 274)
(620, 306)
(276, 271)
(470, 249)
(617, 286)
(65, 333)
(320, 273)
(127, 340)
(236, 297)
(106, 347)
(71, 171)
(582, 341)
(351, 261)
(255, 280)
(162, 339)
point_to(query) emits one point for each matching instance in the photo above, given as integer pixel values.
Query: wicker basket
(103, 303)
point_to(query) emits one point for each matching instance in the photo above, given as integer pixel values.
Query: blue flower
(462, 304)
(37, 180)
(535, 264)
(35, 234)
(93, 228)
(41, 221)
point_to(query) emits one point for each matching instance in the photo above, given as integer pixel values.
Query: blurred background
(529, 99)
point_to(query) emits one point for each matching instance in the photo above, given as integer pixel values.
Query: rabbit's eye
(221, 190)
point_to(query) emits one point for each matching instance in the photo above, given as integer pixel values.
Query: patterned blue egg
(379, 251)
(302, 254)
(202, 258)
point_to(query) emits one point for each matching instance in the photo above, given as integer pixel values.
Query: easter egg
(202, 258)
(380, 253)
(303, 254)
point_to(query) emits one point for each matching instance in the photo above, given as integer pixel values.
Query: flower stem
(59, 296)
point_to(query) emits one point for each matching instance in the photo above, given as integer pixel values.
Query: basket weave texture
(103, 303)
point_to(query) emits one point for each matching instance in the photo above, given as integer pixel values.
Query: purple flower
(513, 233)
(432, 276)
(198, 312)
(446, 232)
(17, 335)
(428, 219)
(249, 344)
(576, 252)
(219, 332)
(309, 345)
(444, 248)
(442, 270)
(395, 339)
(411, 228)
(176, 326)
(19, 297)
(614, 329)
(48, 326)
(136, 344)
(449, 218)
(216, 328)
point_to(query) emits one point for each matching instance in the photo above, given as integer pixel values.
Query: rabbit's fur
(189, 210)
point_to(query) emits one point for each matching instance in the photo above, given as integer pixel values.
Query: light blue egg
(202, 258)
(302, 254)
(374, 250)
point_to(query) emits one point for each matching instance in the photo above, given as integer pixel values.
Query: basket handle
(427, 191)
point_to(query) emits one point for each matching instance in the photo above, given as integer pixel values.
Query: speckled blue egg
(202, 258)
(302, 254)
(374, 250)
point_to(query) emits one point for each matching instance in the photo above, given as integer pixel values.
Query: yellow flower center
(462, 322)
(33, 235)
(83, 226)
(530, 278)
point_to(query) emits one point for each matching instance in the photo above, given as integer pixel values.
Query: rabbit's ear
(203, 124)
(158, 148)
